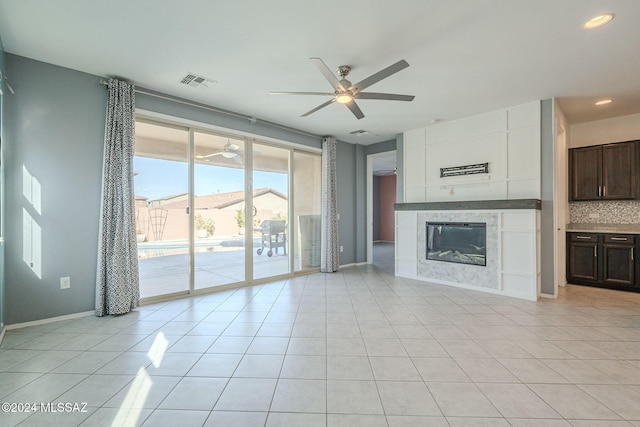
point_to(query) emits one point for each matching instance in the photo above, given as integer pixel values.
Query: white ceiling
(466, 56)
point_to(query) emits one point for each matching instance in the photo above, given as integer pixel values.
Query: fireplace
(458, 242)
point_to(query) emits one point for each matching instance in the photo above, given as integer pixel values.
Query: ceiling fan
(229, 151)
(346, 93)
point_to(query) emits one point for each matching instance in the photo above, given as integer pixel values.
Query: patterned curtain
(329, 256)
(117, 287)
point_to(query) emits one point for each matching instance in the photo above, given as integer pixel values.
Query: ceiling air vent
(195, 80)
(359, 132)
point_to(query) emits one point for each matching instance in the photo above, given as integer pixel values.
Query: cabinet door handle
(583, 237)
(604, 191)
(620, 239)
(595, 252)
(599, 190)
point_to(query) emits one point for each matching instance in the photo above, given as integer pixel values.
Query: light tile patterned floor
(355, 348)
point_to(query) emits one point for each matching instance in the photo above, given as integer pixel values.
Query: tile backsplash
(609, 212)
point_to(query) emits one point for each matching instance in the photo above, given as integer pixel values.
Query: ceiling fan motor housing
(343, 70)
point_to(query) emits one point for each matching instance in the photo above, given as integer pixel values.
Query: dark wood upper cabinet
(604, 172)
(586, 173)
(619, 171)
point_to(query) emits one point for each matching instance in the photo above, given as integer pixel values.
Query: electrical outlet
(338, 217)
(341, 248)
(65, 282)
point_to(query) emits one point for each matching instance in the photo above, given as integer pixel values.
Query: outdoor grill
(273, 236)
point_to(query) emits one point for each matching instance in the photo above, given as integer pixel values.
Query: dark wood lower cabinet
(618, 263)
(603, 260)
(582, 261)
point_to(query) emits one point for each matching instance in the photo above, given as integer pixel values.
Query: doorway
(381, 198)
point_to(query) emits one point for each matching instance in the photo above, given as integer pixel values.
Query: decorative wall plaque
(464, 170)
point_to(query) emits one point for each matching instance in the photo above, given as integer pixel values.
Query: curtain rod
(252, 120)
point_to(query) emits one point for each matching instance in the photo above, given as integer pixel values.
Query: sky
(158, 178)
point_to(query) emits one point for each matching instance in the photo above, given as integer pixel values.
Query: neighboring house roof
(221, 200)
(166, 199)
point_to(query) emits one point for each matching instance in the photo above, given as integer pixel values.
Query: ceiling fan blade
(355, 109)
(302, 93)
(384, 96)
(212, 154)
(383, 74)
(326, 72)
(331, 101)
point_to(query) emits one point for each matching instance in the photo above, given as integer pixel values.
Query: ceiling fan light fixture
(228, 154)
(604, 102)
(598, 21)
(344, 98)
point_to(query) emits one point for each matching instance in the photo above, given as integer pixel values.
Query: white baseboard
(50, 320)
(547, 296)
(471, 287)
(353, 264)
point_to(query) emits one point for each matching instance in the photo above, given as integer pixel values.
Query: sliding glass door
(218, 208)
(270, 211)
(215, 209)
(161, 187)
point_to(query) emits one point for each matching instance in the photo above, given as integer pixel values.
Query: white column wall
(509, 140)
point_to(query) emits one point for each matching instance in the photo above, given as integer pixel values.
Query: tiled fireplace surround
(484, 276)
(513, 233)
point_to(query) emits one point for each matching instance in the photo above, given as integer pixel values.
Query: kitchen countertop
(604, 228)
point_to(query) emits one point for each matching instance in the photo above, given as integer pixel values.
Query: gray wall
(2, 270)
(55, 127)
(380, 147)
(346, 176)
(547, 229)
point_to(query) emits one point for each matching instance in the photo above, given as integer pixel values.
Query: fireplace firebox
(458, 242)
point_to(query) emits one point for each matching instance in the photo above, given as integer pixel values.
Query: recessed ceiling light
(597, 21)
(604, 102)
